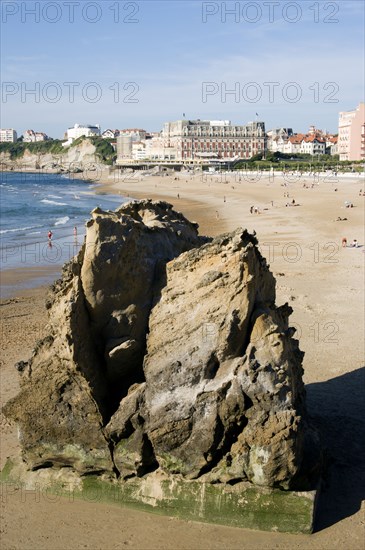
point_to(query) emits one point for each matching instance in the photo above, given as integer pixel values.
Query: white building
(278, 138)
(139, 150)
(30, 136)
(293, 144)
(110, 134)
(332, 145)
(158, 149)
(79, 130)
(276, 144)
(8, 135)
(313, 146)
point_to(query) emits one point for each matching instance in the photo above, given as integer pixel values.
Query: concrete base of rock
(240, 505)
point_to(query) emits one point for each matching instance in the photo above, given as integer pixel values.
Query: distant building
(332, 145)
(124, 147)
(31, 136)
(203, 139)
(151, 135)
(293, 144)
(315, 142)
(139, 150)
(131, 144)
(278, 138)
(194, 140)
(79, 130)
(110, 134)
(158, 149)
(137, 134)
(351, 134)
(313, 145)
(8, 135)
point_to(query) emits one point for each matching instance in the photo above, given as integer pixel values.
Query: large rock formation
(80, 158)
(165, 351)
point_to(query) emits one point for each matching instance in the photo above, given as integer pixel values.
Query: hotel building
(203, 139)
(198, 140)
(351, 134)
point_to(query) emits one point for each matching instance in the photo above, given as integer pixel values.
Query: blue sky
(138, 64)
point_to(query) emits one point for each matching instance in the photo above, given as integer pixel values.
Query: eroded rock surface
(166, 350)
(123, 267)
(220, 369)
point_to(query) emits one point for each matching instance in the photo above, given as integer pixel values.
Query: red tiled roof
(298, 138)
(310, 139)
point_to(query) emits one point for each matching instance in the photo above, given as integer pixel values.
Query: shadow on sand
(337, 407)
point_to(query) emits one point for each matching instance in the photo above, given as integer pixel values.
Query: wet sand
(322, 281)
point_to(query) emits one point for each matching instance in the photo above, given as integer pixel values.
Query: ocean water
(31, 205)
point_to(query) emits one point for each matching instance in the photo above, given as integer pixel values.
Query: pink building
(350, 134)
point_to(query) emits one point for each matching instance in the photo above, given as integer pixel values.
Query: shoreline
(17, 282)
(217, 206)
(28, 257)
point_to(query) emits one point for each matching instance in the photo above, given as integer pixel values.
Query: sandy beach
(321, 280)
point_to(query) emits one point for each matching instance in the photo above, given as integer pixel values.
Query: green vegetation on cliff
(104, 150)
(18, 149)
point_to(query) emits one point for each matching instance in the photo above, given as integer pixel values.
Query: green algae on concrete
(240, 505)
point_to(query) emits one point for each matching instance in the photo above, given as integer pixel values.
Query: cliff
(83, 154)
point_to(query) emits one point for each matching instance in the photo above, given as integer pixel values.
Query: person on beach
(354, 243)
(344, 242)
(50, 235)
(75, 231)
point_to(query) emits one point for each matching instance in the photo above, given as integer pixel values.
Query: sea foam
(46, 201)
(62, 221)
(18, 229)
